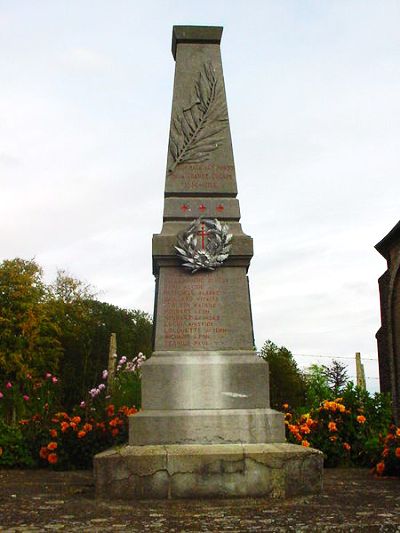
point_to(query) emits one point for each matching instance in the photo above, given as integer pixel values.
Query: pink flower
(82, 404)
(48, 375)
(28, 376)
(54, 379)
(105, 374)
(25, 397)
(9, 385)
(1, 395)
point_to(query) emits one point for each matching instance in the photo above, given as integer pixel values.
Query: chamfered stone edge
(205, 471)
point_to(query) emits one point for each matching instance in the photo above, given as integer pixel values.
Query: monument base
(208, 470)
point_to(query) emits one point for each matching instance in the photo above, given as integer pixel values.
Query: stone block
(208, 471)
(206, 426)
(190, 380)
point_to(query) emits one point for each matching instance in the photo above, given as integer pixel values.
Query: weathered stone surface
(388, 336)
(211, 426)
(197, 471)
(205, 311)
(189, 208)
(206, 428)
(206, 381)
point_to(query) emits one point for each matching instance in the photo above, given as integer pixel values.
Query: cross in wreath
(203, 233)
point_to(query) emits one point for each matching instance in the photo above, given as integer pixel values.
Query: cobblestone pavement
(42, 500)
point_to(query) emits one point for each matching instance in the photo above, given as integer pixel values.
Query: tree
(317, 386)
(336, 375)
(61, 328)
(28, 336)
(85, 326)
(286, 381)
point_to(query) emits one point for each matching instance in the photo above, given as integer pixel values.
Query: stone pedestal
(208, 471)
(206, 427)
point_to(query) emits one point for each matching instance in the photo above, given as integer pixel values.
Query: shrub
(346, 429)
(389, 461)
(71, 441)
(14, 451)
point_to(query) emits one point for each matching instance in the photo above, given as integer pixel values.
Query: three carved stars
(202, 208)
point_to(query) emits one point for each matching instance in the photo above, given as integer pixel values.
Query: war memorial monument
(206, 428)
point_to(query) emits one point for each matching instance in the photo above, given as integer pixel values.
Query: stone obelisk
(206, 427)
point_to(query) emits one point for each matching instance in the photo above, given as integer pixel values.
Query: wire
(334, 356)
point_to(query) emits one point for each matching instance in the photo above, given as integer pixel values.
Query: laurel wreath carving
(215, 252)
(195, 132)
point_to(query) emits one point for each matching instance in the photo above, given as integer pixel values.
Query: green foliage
(346, 429)
(317, 387)
(86, 326)
(286, 381)
(48, 437)
(60, 328)
(389, 459)
(28, 337)
(336, 375)
(14, 451)
(28, 397)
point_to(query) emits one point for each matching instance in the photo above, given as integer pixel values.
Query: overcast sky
(314, 102)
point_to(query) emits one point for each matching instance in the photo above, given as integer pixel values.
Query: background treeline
(61, 328)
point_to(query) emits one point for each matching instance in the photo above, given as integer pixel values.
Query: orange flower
(1, 451)
(333, 438)
(52, 446)
(380, 467)
(87, 427)
(114, 422)
(285, 406)
(332, 426)
(76, 419)
(114, 432)
(132, 411)
(309, 422)
(305, 443)
(299, 438)
(64, 426)
(361, 419)
(81, 434)
(44, 452)
(341, 407)
(72, 425)
(385, 452)
(62, 415)
(305, 429)
(110, 410)
(53, 433)
(52, 458)
(398, 432)
(346, 446)
(23, 422)
(397, 453)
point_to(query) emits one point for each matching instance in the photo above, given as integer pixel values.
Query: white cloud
(86, 60)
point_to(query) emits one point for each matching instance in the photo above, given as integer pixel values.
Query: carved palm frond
(196, 131)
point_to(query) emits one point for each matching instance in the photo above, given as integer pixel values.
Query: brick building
(388, 335)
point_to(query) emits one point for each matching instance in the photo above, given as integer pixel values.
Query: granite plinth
(205, 380)
(207, 471)
(208, 426)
